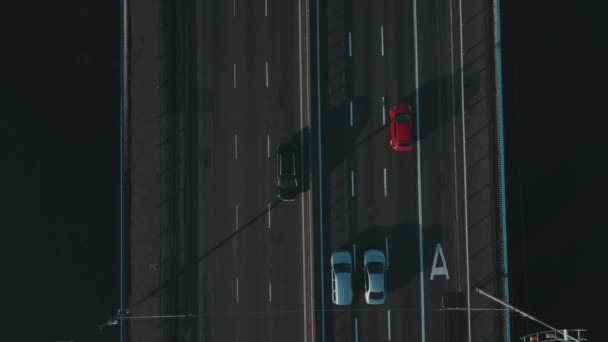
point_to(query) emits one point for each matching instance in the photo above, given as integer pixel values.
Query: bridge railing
(556, 335)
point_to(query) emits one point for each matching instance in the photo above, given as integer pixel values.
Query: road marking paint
(233, 8)
(354, 256)
(464, 176)
(420, 236)
(385, 187)
(350, 44)
(236, 216)
(236, 146)
(268, 145)
(388, 314)
(383, 112)
(352, 183)
(454, 143)
(356, 330)
(237, 289)
(234, 74)
(266, 74)
(269, 290)
(382, 39)
(268, 215)
(386, 249)
(351, 113)
(265, 8)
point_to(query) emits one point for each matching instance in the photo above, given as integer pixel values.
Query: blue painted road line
(352, 183)
(351, 113)
(356, 330)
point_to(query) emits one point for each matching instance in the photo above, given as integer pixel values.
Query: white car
(341, 270)
(374, 266)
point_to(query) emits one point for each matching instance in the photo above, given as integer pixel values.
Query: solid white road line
(454, 143)
(464, 175)
(265, 8)
(382, 39)
(385, 187)
(268, 215)
(266, 74)
(386, 249)
(354, 256)
(383, 112)
(352, 183)
(268, 145)
(420, 236)
(236, 148)
(356, 330)
(237, 289)
(388, 320)
(351, 113)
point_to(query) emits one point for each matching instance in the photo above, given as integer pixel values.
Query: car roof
(376, 282)
(404, 131)
(344, 294)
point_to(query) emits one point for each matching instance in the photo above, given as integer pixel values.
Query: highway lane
(380, 65)
(251, 245)
(442, 166)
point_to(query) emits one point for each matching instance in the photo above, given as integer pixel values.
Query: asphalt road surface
(255, 272)
(408, 204)
(253, 248)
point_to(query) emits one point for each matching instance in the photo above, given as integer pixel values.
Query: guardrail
(502, 208)
(556, 335)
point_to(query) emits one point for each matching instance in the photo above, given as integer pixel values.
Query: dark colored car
(288, 183)
(402, 127)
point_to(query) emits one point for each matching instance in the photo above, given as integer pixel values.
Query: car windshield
(404, 118)
(342, 268)
(376, 295)
(375, 267)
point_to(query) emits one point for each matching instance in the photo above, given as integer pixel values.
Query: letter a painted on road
(443, 270)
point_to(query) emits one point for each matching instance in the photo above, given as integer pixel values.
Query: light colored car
(374, 266)
(341, 278)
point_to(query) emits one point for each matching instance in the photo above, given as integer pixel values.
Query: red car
(402, 127)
